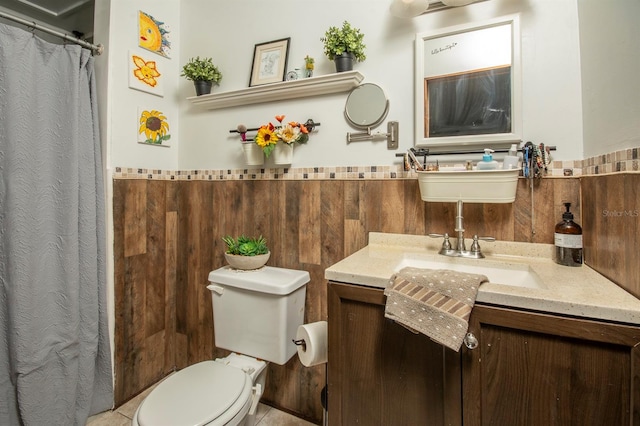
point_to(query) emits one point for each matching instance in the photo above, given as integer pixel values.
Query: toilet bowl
(214, 393)
(256, 313)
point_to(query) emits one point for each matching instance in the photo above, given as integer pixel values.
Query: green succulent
(245, 246)
(201, 70)
(346, 39)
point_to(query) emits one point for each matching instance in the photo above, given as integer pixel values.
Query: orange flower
(304, 129)
(280, 118)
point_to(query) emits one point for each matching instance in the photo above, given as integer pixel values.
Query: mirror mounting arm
(391, 135)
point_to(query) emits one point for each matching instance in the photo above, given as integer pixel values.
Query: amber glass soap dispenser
(568, 240)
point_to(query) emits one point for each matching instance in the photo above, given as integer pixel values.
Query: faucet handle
(446, 244)
(475, 246)
(438, 235)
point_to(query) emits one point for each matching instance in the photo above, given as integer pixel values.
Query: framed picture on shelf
(269, 62)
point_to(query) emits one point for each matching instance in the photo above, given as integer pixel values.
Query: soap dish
(470, 186)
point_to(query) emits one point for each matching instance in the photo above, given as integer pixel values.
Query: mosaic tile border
(302, 173)
(619, 161)
(626, 160)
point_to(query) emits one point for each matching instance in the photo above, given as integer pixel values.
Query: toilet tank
(258, 312)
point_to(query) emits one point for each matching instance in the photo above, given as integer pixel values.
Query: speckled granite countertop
(577, 291)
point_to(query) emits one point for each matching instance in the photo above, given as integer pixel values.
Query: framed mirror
(468, 85)
(367, 106)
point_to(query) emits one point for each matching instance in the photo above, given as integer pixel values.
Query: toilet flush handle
(216, 288)
(257, 394)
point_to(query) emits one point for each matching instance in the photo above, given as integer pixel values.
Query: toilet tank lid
(267, 279)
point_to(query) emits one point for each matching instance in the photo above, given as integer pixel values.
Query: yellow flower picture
(145, 71)
(154, 127)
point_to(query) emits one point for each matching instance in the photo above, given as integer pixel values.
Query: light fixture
(413, 8)
(456, 3)
(408, 8)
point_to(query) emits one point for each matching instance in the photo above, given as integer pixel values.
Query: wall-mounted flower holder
(277, 140)
(253, 154)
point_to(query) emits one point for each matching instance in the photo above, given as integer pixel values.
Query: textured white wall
(123, 102)
(610, 57)
(556, 76)
(551, 82)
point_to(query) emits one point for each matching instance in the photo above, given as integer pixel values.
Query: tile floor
(266, 416)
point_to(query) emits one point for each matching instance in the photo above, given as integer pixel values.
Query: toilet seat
(205, 393)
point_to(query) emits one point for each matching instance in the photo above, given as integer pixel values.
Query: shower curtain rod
(96, 48)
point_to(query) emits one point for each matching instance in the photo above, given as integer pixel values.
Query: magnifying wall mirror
(367, 106)
(468, 85)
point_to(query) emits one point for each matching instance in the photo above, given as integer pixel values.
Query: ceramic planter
(247, 263)
(344, 62)
(202, 87)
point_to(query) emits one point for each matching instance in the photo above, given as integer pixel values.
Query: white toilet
(255, 313)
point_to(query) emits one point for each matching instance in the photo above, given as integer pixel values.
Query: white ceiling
(64, 15)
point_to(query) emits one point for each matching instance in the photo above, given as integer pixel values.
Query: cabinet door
(533, 369)
(379, 373)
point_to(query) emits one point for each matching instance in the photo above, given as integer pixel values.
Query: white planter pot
(247, 263)
(253, 155)
(283, 154)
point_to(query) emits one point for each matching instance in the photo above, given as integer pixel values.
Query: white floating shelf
(304, 88)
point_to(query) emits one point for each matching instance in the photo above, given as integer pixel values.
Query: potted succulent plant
(246, 252)
(343, 46)
(203, 73)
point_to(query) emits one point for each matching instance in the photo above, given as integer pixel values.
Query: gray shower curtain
(55, 361)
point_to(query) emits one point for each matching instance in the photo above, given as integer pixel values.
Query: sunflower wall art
(153, 34)
(145, 74)
(153, 128)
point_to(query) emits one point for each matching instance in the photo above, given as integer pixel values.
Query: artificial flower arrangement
(269, 135)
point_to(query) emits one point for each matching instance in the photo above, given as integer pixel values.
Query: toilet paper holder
(300, 342)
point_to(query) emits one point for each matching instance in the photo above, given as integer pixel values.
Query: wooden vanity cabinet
(536, 369)
(528, 369)
(380, 373)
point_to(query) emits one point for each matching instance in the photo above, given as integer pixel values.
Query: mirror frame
(376, 122)
(516, 88)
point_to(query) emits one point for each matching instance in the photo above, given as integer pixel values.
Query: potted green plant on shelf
(203, 73)
(343, 46)
(246, 252)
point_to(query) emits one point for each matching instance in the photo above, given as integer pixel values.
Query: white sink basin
(502, 274)
(477, 186)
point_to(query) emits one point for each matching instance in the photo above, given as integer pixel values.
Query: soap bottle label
(568, 240)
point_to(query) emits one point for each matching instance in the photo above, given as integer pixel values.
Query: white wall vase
(253, 154)
(283, 154)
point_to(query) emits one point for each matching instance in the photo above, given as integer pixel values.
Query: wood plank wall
(611, 227)
(168, 237)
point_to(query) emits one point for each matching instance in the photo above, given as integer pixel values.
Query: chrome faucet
(461, 250)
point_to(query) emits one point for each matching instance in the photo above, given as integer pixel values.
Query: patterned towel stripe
(441, 301)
